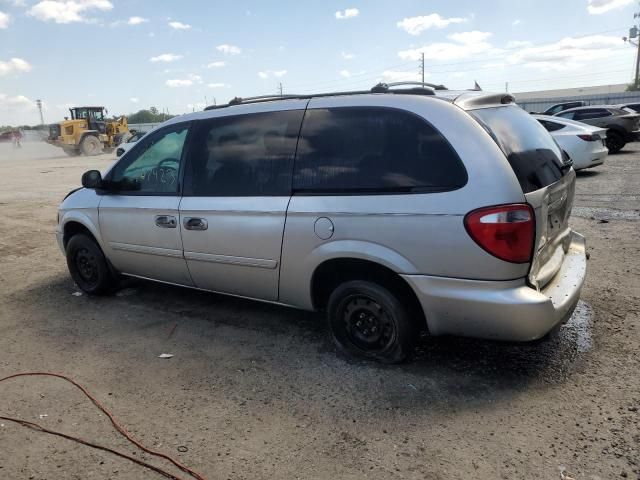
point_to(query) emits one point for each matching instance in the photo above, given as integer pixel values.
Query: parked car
(123, 147)
(634, 107)
(622, 126)
(559, 107)
(406, 210)
(585, 145)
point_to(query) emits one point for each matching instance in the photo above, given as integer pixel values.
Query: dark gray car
(622, 126)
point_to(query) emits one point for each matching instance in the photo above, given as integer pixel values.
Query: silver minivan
(400, 210)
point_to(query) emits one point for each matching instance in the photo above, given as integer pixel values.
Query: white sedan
(123, 147)
(584, 143)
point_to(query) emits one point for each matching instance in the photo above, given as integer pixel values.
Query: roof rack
(420, 88)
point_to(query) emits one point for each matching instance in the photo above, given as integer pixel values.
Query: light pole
(633, 34)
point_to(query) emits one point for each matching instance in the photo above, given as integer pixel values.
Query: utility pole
(422, 65)
(506, 87)
(280, 88)
(634, 34)
(39, 105)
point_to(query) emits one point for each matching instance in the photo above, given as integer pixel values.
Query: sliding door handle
(195, 223)
(166, 221)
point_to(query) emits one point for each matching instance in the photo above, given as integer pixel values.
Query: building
(599, 95)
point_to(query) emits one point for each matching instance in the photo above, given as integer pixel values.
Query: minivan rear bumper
(502, 310)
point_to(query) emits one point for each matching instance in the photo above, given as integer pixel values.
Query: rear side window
(534, 156)
(244, 155)
(591, 113)
(551, 126)
(377, 150)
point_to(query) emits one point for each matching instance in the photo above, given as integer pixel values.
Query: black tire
(367, 320)
(90, 145)
(615, 141)
(88, 266)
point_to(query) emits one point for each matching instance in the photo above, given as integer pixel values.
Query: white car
(584, 143)
(123, 147)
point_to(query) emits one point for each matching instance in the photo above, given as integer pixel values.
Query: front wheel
(88, 266)
(614, 141)
(90, 145)
(368, 320)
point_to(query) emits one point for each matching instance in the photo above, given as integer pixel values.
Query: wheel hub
(368, 325)
(87, 265)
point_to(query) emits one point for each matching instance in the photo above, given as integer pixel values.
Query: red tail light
(589, 138)
(505, 231)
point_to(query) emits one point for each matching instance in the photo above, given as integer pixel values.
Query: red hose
(114, 422)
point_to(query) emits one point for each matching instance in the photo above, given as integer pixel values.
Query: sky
(179, 56)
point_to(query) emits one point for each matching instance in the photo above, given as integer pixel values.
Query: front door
(237, 189)
(139, 217)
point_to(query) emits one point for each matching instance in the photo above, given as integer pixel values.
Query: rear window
(377, 150)
(533, 154)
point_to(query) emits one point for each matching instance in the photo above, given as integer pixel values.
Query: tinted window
(152, 165)
(591, 113)
(534, 156)
(634, 106)
(551, 126)
(373, 149)
(569, 115)
(245, 155)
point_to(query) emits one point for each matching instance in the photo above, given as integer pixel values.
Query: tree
(632, 87)
(148, 116)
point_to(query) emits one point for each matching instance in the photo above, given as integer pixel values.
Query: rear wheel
(88, 266)
(90, 145)
(369, 321)
(615, 141)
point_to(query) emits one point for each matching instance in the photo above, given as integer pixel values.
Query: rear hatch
(546, 178)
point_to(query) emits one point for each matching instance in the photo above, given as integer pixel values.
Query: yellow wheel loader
(88, 132)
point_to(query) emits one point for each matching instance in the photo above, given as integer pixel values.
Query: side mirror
(92, 179)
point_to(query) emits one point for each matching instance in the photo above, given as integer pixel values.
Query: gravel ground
(258, 392)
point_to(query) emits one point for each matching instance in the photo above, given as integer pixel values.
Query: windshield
(533, 154)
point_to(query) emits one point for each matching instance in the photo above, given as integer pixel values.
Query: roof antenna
(476, 87)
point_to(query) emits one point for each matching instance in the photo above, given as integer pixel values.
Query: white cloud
(467, 44)
(179, 83)
(195, 78)
(134, 100)
(597, 7)
(4, 20)
(516, 22)
(216, 65)
(566, 54)
(347, 13)
(166, 58)
(416, 25)
(347, 56)
(67, 11)
(14, 65)
(345, 73)
(217, 85)
(272, 73)
(229, 49)
(398, 76)
(137, 20)
(179, 26)
(18, 101)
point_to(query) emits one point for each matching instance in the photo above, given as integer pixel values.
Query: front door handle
(166, 221)
(195, 223)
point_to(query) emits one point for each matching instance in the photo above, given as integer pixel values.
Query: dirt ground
(256, 391)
